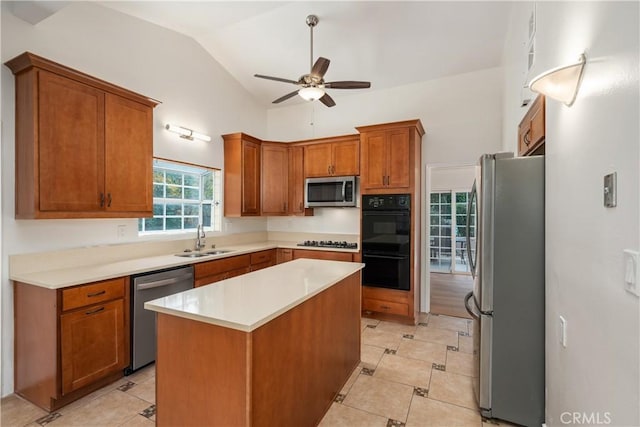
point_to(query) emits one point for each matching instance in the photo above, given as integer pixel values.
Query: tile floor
(408, 376)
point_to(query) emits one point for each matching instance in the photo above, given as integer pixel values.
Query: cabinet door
(92, 344)
(373, 153)
(346, 158)
(317, 160)
(250, 178)
(129, 142)
(296, 180)
(275, 173)
(284, 255)
(398, 159)
(71, 145)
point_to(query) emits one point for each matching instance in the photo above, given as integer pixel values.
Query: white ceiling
(387, 43)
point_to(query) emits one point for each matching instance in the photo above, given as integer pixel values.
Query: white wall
(195, 91)
(456, 178)
(598, 372)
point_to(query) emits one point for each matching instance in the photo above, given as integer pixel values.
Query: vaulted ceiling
(387, 43)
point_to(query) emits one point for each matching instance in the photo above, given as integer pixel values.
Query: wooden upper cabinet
(275, 176)
(71, 146)
(128, 141)
(242, 165)
(339, 156)
(531, 130)
(83, 146)
(296, 182)
(389, 156)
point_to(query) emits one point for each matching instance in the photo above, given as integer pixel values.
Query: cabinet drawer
(221, 276)
(93, 293)
(385, 306)
(328, 255)
(211, 268)
(256, 267)
(263, 256)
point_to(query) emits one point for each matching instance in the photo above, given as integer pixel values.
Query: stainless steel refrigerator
(506, 257)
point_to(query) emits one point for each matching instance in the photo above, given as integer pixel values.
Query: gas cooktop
(329, 244)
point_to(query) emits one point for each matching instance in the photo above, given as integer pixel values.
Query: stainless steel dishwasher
(147, 287)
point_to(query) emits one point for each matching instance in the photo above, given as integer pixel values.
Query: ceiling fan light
(311, 93)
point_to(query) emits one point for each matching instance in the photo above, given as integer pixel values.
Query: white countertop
(65, 277)
(249, 301)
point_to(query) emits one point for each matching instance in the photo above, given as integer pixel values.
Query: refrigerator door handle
(474, 194)
(466, 305)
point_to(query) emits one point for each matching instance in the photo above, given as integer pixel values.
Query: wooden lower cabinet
(388, 304)
(213, 271)
(328, 255)
(69, 342)
(263, 259)
(92, 344)
(284, 255)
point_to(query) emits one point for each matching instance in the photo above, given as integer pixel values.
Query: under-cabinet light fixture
(187, 133)
(311, 93)
(560, 83)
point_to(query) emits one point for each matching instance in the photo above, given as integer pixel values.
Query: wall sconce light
(311, 93)
(560, 83)
(187, 133)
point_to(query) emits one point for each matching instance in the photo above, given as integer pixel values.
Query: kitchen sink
(217, 252)
(202, 254)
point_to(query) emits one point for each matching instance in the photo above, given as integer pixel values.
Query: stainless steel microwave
(335, 191)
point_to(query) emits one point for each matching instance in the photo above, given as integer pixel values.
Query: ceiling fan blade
(284, 98)
(320, 67)
(327, 100)
(348, 85)
(278, 79)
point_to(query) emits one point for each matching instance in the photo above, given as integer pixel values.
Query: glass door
(448, 243)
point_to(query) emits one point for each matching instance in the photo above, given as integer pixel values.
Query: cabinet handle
(329, 169)
(385, 307)
(109, 202)
(97, 310)
(525, 138)
(95, 294)
(102, 200)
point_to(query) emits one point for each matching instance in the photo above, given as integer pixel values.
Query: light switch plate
(631, 271)
(610, 196)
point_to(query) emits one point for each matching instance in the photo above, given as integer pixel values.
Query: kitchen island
(271, 347)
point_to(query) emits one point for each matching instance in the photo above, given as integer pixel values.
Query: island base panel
(286, 372)
(201, 374)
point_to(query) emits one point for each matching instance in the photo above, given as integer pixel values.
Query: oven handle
(385, 256)
(386, 213)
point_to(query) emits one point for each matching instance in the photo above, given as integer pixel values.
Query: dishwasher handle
(163, 282)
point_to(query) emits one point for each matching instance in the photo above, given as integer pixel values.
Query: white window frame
(168, 166)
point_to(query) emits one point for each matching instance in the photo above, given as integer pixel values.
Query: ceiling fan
(313, 84)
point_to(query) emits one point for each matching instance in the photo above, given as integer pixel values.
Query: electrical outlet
(122, 231)
(563, 332)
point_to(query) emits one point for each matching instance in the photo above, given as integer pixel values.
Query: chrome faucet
(200, 236)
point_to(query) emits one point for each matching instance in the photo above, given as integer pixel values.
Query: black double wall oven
(386, 241)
